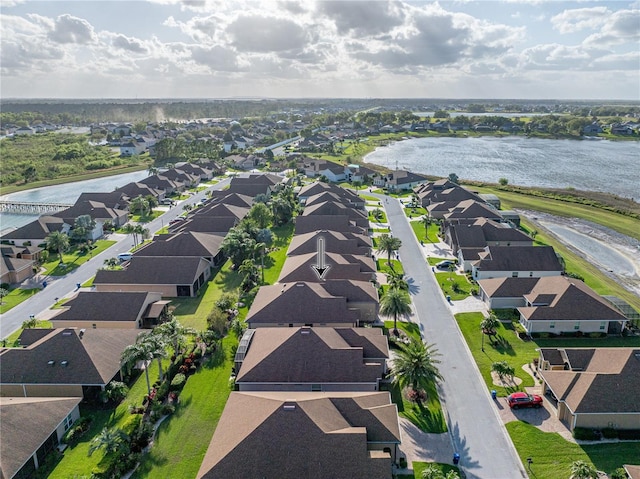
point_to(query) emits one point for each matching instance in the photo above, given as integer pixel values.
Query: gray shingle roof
(105, 306)
(519, 258)
(154, 270)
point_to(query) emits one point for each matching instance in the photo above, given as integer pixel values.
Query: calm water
(67, 193)
(584, 165)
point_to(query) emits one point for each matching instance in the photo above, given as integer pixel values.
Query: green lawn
(369, 198)
(383, 266)
(15, 297)
(382, 217)
(517, 352)
(446, 285)
(418, 230)
(414, 212)
(381, 230)
(418, 467)
(73, 259)
(11, 340)
(146, 218)
(552, 455)
(282, 238)
(183, 439)
(428, 417)
(433, 260)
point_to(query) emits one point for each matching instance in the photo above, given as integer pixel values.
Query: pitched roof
(342, 223)
(507, 287)
(518, 258)
(234, 199)
(221, 209)
(249, 189)
(319, 187)
(14, 264)
(603, 382)
(310, 435)
(401, 177)
(299, 302)
(472, 209)
(311, 355)
(154, 270)
(205, 224)
(105, 306)
(114, 199)
(335, 208)
(38, 229)
(300, 268)
(187, 243)
(564, 298)
(632, 470)
(335, 197)
(91, 360)
(333, 241)
(95, 209)
(135, 189)
(25, 424)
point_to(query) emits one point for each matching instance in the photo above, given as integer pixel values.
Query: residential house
(301, 268)
(185, 244)
(233, 199)
(36, 232)
(310, 435)
(516, 262)
(332, 242)
(204, 173)
(162, 183)
(64, 362)
(334, 172)
(342, 223)
(117, 200)
(30, 428)
(220, 210)
(593, 387)
(633, 471)
(135, 189)
(205, 224)
(171, 276)
(561, 304)
(15, 270)
(185, 178)
(399, 180)
(337, 303)
(312, 359)
(505, 293)
(98, 212)
(25, 130)
(93, 310)
(351, 201)
(471, 209)
(21, 252)
(132, 147)
(359, 217)
(317, 188)
(592, 129)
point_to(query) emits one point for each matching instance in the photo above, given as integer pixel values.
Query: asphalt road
(477, 433)
(58, 287)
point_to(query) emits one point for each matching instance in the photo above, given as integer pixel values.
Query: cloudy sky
(320, 48)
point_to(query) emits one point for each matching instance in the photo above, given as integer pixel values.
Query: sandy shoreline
(615, 254)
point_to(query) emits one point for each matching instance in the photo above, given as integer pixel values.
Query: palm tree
(174, 333)
(111, 440)
(131, 230)
(397, 281)
(156, 349)
(395, 302)
(57, 241)
(582, 470)
(415, 365)
(502, 369)
(426, 221)
(488, 326)
(139, 203)
(134, 353)
(388, 244)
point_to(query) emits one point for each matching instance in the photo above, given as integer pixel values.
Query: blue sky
(534, 49)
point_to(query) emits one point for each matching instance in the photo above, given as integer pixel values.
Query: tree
(115, 391)
(415, 365)
(29, 173)
(250, 271)
(388, 244)
(503, 181)
(395, 302)
(30, 323)
(3, 292)
(397, 281)
(174, 333)
(134, 353)
(488, 326)
(503, 369)
(156, 349)
(260, 215)
(139, 204)
(82, 227)
(131, 230)
(426, 221)
(217, 321)
(109, 439)
(238, 245)
(59, 242)
(583, 470)
(282, 210)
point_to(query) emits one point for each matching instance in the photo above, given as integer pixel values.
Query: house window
(68, 421)
(576, 326)
(514, 274)
(552, 324)
(603, 324)
(316, 387)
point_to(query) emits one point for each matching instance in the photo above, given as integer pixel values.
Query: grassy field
(552, 455)
(446, 282)
(183, 438)
(15, 297)
(414, 212)
(418, 230)
(428, 417)
(73, 259)
(418, 467)
(382, 217)
(383, 266)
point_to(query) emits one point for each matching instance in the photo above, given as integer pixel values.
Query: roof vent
(64, 363)
(289, 406)
(66, 333)
(51, 362)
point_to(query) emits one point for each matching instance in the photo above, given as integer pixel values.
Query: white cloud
(570, 21)
(255, 33)
(619, 27)
(70, 29)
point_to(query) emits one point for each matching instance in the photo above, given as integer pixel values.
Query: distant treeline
(85, 112)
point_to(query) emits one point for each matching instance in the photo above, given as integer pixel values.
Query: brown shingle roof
(154, 270)
(220, 209)
(310, 355)
(342, 223)
(296, 435)
(334, 242)
(105, 306)
(205, 224)
(507, 287)
(188, 243)
(519, 258)
(25, 424)
(38, 229)
(300, 268)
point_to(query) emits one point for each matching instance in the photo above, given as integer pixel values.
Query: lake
(65, 193)
(610, 166)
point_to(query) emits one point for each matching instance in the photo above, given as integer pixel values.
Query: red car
(518, 400)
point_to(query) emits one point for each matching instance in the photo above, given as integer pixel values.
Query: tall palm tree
(131, 230)
(174, 333)
(395, 302)
(415, 365)
(140, 204)
(582, 470)
(397, 281)
(488, 326)
(111, 440)
(57, 241)
(388, 244)
(134, 353)
(426, 221)
(156, 349)
(502, 369)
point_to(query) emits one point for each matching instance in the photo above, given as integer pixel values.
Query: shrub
(178, 382)
(162, 392)
(609, 433)
(585, 434)
(403, 463)
(630, 434)
(131, 424)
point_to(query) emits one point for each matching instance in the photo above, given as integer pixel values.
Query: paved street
(60, 286)
(477, 433)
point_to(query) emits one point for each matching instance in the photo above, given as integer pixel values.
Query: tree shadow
(502, 346)
(461, 447)
(414, 288)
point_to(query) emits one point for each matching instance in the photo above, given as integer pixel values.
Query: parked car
(125, 256)
(518, 400)
(445, 264)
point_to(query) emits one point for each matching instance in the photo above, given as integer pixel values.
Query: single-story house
(171, 276)
(359, 217)
(221, 209)
(594, 387)
(31, 428)
(516, 262)
(205, 224)
(203, 172)
(350, 201)
(332, 242)
(162, 183)
(399, 180)
(118, 200)
(560, 304)
(301, 268)
(188, 243)
(312, 359)
(98, 212)
(15, 270)
(468, 209)
(341, 223)
(36, 232)
(135, 189)
(505, 293)
(111, 310)
(233, 199)
(63, 362)
(336, 303)
(310, 435)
